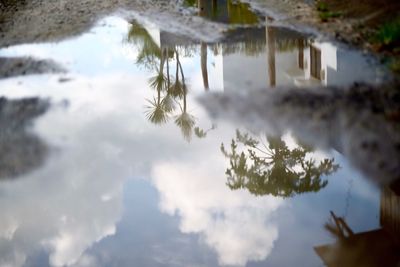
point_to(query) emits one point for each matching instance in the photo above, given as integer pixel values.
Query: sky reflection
(118, 188)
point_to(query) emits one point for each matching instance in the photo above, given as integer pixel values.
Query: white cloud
(237, 225)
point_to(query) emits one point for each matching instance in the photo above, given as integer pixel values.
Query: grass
(389, 33)
(325, 13)
(395, 65)
(325, 16)
(322, 6)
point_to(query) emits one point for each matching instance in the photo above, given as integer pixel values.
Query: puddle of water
(136, 173)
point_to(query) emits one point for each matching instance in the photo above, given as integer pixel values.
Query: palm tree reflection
(185, 121)
(270, 167)
(171, 90)
(149, 52)
(157, 112)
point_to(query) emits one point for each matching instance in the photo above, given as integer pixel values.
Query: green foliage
(288, 45)
(389, 33)
(159, 81)
(324, 12)
(200, 133)
(191, 3)
(274, 169)
(395, 65)
(235, 11)
(322, 6)
(156, 112)
(185, 122)
(240, 13)
(171, 89)
(325, 16)
(149, 52)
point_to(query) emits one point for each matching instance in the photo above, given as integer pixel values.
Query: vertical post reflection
(204, 71)
(271, 56)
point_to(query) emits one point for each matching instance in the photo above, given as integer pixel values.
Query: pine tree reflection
(201, 133)
(270, 168)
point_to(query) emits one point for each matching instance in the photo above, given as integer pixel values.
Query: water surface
(135, 171)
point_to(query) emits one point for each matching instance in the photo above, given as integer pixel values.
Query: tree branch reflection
(270, 167)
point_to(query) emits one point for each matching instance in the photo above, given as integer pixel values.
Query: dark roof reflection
(373, 248)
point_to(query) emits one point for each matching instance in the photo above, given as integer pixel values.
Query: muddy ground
(43, 21)
(28, 21)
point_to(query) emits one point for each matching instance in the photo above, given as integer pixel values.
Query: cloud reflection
(236, 225)
(65, 207)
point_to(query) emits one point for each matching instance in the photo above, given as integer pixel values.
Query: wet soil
(11, 67)
(44, 21)
(21, 150)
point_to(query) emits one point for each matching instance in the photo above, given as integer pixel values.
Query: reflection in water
(270, 167)
(348, 121)
(20, 66)
(65, 206)
(226, 11)
(264, 56)
(78, 199)
(296, 59)
(171, 90)
(271, 57)
(236, 225)
(268, 57)
(379, 247)
(20, 150)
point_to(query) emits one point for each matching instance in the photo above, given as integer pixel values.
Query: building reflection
(256, 57)
(285, 57)
(247, 58)
(378, 247)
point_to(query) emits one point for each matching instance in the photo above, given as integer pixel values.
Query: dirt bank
(43, 21)
(31, 21)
